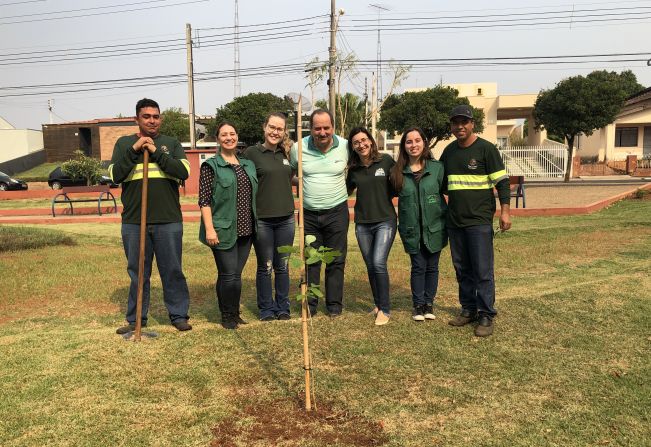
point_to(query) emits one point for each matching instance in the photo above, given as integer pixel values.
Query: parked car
(8, 183)
(58, 180)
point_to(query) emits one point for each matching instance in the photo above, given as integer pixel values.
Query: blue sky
(150, 38)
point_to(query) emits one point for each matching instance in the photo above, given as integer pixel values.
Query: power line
(32, 14)
(45, 19)
(21, 3)
(267, 24)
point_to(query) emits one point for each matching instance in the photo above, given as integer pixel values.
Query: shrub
(82, 166)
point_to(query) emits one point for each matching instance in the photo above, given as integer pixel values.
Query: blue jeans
(375, 240)
(330, 227)
(273, 233)
(472, 257)
(164, 241)
(424, 276)
(230, 264)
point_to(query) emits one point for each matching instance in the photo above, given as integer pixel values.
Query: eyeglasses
(273, 129)
(358, 143)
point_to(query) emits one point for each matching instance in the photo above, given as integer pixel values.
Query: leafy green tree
(175, 124)
(83, 167)
(428, 109)
(248, 114)
(580, 105)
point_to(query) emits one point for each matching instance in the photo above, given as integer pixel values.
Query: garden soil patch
(285, 423)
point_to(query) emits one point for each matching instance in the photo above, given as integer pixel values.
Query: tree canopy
(175, 124)
(428, 109)
(248, 114)
(580, 105)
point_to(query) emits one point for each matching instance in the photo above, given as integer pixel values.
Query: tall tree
(175, 124)
(427, 109)
(248, 113)
(580, 105)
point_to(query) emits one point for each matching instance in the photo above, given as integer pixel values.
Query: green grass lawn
(569, 364)
(38, 173)
(47, 203)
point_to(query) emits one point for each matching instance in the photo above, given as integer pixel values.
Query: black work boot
(485, 326)
(465, 317)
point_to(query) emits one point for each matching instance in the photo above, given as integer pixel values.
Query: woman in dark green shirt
(275, 211)
(375, 216)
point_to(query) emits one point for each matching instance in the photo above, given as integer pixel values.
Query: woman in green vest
(227, 192)
(417, 178)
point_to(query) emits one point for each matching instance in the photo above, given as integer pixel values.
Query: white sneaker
(429, 312)
(418, 314)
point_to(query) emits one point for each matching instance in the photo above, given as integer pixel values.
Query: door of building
(646, 142)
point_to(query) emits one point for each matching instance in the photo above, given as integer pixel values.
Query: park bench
(102, 192)
(516, 183)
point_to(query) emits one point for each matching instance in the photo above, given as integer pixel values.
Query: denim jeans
(230, 264)
(472, 257)
(424, 276)
(330, 227)
(375, 240)
(164, 241)
(273, 233)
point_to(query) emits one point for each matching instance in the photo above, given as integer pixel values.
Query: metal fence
(535, 161)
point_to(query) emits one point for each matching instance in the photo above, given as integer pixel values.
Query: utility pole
(365, 102)
(332, 57)
(374, 106)
(379, 8)
(50, 103)
(237, 85)
(188, 46)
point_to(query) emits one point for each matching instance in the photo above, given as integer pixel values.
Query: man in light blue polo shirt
(325, 201)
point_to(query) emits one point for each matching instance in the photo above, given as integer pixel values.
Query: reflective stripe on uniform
(186, 163)
(458, 182)
(498, 176)
(110, 172)
(153, 172)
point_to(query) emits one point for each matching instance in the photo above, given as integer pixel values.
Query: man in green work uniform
(473, 167)
(167, 167)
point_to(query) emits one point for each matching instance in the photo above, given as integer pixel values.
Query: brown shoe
(381, 318)
(465, 317)
(485, 327)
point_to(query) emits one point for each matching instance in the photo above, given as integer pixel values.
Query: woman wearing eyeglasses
(275, 210)
(417, 178)
(375, 216)
(227, 193)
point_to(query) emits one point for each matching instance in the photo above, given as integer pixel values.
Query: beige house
(629, 134)
(503, 115)
(20, 149)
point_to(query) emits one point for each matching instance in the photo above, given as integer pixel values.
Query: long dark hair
(397, 178)
(353, 156)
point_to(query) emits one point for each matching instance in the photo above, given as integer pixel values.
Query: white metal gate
(535, 161)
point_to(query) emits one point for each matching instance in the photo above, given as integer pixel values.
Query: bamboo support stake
(307, 365)
(141, 254)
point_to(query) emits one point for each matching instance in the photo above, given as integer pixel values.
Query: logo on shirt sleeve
(380, 173)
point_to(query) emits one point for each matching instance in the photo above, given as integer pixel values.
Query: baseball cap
(461, 110)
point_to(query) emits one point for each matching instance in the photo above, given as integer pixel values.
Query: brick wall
(108, 135)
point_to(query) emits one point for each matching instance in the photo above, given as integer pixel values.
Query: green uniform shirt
(324, 175)
(167, 167)
(374, 192)
(471, 173)
(275, 197)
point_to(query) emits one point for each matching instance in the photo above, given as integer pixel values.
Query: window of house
(502, 141)
(626, 137)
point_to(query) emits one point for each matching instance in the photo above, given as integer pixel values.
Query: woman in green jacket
(417, 178)
(227, 191)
